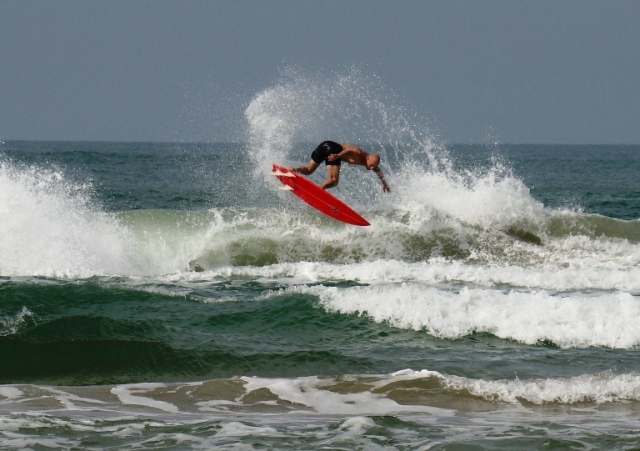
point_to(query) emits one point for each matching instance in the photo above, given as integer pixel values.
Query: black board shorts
(323, 151)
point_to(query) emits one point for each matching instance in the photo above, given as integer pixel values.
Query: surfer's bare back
(333, 153)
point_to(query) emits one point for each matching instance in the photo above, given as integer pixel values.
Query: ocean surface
(171, 296)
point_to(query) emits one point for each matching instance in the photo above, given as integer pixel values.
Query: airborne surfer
(333, 153)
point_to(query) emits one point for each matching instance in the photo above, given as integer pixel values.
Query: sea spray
(50, 226)
(286, 121)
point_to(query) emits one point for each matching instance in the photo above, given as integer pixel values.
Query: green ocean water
(171, 296)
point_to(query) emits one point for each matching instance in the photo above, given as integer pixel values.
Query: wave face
(496, 285)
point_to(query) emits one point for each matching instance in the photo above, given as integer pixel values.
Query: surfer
(333, 153)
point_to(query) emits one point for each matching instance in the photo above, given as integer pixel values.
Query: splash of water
(49, 226)
(351, 107)
(344, 106)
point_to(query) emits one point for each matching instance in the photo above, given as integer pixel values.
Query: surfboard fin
(286, 188)
(279, 173)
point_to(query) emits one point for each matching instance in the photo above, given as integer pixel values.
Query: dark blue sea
(171, 296)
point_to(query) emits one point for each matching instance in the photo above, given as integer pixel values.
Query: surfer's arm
(380, 175)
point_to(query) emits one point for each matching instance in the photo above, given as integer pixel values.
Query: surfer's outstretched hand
(385, 186)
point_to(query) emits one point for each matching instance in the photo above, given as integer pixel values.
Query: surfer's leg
(333, 176)
(308, 169)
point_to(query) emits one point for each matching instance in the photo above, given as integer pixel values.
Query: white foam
(24, 442)
(49, 228)
(357, 425)
(491, 199)
(354, 398)
(316, 395)
(568, 319)
(72, 402)
(11, 393)
(238, 429)
(311, 392)
(599, 388)
(128, 394)
(433, 272)
(52, 226)
(9, 325)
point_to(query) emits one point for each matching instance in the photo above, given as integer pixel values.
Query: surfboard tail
(278, 172)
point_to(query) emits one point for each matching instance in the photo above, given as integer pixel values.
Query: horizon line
(240, 142)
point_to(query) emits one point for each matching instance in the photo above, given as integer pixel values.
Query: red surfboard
(318, 198)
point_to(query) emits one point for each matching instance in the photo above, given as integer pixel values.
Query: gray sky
(481, 71)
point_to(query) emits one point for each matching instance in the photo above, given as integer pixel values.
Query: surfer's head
(373, 160)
